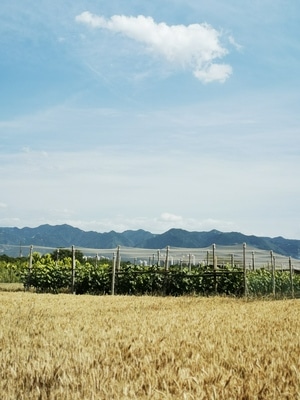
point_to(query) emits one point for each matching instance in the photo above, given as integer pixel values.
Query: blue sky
(126, 115)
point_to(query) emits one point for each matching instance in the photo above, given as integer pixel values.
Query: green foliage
(10, 268)
(135, 279)
(54, 274)
(177, 282)
(8, 272)
(260, 283)
(93, 279)
(47, 275)
(61, 254)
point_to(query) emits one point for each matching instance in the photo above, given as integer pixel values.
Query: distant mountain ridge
(65, 236)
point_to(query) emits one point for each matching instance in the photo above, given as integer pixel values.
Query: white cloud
(170, 217)
(195, 46)
(214, 72)
(234, 43)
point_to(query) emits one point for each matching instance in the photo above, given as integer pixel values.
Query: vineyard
(235, 270)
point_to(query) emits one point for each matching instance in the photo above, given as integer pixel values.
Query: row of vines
(48, 273)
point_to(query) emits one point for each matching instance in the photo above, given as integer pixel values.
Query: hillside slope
(66, 236)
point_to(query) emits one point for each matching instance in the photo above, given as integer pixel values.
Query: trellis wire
(225, 255)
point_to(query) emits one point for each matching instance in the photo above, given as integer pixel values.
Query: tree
(61, 253)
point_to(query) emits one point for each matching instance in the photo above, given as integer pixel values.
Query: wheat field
(87, 347)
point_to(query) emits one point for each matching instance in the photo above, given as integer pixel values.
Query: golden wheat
(84, 347)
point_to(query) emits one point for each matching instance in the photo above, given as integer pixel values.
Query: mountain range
(66, 236)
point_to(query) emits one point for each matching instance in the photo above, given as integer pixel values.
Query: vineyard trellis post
(118, 259)
(244, 270)
(30, 258)
(113, 280)
(167, 259)
(291, 277)
(57, 257)
(273, 273)
(29, 267)
(73, 270)
(166, 272)
(253, 261)
(215, 268)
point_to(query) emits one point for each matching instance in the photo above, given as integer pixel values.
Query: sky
(151, 115)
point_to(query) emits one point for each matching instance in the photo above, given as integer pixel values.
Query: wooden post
(273, 273)
(113, 279)
(118, 260)
(167, 259)
(20, 251)
(166, 273)
(190, 263)
(291, 277)
(244, 270)
(29, 267)
(73, 270)
(158, 258)
(215, 268)
(57, 257)
(215, 263)
(232, 260)
(253, 260)
(30, 259)
(214, 249)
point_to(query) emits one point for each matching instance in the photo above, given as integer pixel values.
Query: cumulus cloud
(195, 47)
